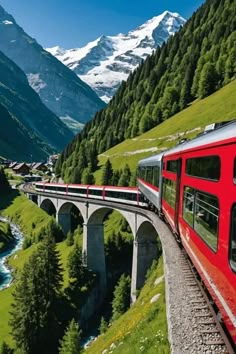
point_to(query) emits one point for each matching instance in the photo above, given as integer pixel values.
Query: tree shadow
(6, 199)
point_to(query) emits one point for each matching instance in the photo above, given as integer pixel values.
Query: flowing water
(5, 272)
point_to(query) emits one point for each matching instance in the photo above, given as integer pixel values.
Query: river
(5, 272)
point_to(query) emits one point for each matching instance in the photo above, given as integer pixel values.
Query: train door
(171, 190)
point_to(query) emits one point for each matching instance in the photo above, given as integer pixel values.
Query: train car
(150, 179)
(198, 200)
(128, 195)
(58, 188)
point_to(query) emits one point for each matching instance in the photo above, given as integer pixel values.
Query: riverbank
(15, 245)
(6, 237)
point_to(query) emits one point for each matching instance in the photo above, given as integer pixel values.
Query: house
(13, 164)
(40, 167)
(21, 169)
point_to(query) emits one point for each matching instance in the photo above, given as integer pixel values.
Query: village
(30, 172)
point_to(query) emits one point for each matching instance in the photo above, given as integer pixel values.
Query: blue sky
(74, 23)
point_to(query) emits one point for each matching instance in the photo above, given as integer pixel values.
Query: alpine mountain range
(73, 84)
(108, 60)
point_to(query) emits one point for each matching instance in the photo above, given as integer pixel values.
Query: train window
(204, 167)
(156, 176)
(201, 212)
(172, 166)
(149, 174)
(188, 205)
(97, 192)
(77, 190)
(169, 191)
(206, 218)
(232, 245)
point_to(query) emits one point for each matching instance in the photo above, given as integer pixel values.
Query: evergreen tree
(4, 184)
(70, 344)
(107, 174)
(121, 300)
(69, 239)
(87, 176)
(207, 83)
(103, 326)
(116, 177)
(5, 349)
(34, 311)
(75, 265)
(133, 179)
(76, 176)
(125, 177)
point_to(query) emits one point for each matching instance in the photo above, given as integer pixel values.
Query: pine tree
(70, 344)
(69, 239)
(103, 326)
(125, 177)
(121, 300)
(5, 349)
(107, 174)
(4, 184)
(35, 301)
(87, 176)
(207, 83)
(76, 268)
(116, 177)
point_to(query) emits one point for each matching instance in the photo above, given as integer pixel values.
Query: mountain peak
(108, 60)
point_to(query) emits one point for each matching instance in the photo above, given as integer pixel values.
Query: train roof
(218, 135)
(151, 160)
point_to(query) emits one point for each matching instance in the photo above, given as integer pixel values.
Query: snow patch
(35, 82)
(6, 22)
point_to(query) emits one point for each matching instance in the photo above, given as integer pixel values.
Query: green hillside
(220, 106)
(194, 63)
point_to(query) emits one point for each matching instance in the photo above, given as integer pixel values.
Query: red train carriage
(199, 201)
(128, 195)
(197, 195)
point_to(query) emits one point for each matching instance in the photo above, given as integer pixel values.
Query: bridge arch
(145, 250)
(69, 216)
(48, 206)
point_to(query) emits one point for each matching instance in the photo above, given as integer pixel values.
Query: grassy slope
(218, 107)
(142, 328)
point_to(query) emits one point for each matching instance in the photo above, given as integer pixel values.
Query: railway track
(208, 332)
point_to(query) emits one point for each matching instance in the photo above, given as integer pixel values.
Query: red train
(194, 186)
(127, 195)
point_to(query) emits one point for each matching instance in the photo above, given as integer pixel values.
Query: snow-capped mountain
(59, 88)
(108, 60)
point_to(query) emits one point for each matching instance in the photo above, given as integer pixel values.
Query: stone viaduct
(93, 213)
